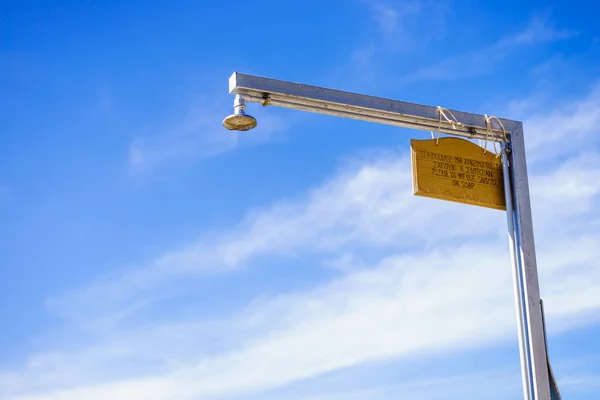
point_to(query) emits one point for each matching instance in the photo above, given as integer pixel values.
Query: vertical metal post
(517, 284)
(554, 392)
(526, 253)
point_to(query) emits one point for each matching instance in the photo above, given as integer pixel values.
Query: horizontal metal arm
(367, 108)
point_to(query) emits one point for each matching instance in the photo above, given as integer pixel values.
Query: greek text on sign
(457, 170)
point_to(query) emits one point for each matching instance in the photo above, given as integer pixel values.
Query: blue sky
(147, 253)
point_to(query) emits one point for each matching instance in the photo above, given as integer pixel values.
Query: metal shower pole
(532, 344)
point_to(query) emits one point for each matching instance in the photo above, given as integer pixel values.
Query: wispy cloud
(198, 133)
(308, 332)
(408, 260)
(454, 386)
(393, 28)
(539, 30)
(393, 21)
(485, 60)
(574, 125)
(353, 209)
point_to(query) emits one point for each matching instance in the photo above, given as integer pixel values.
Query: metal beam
(362, 107)
(526, 252)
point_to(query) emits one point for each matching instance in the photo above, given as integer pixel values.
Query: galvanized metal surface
(554, 392)
(362, 107)
(526, 252)
(517, 284)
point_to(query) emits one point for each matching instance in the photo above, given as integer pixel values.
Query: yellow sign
(457, 170)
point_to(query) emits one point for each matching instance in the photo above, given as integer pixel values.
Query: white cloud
(455, 386)
(485, 60)
(392, 29)
(574, 126)
(198, 133)
(456, 297)
(539, 30)
(352, 210)
(392, 19)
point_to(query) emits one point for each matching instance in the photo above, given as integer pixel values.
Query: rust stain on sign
(457, 170)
